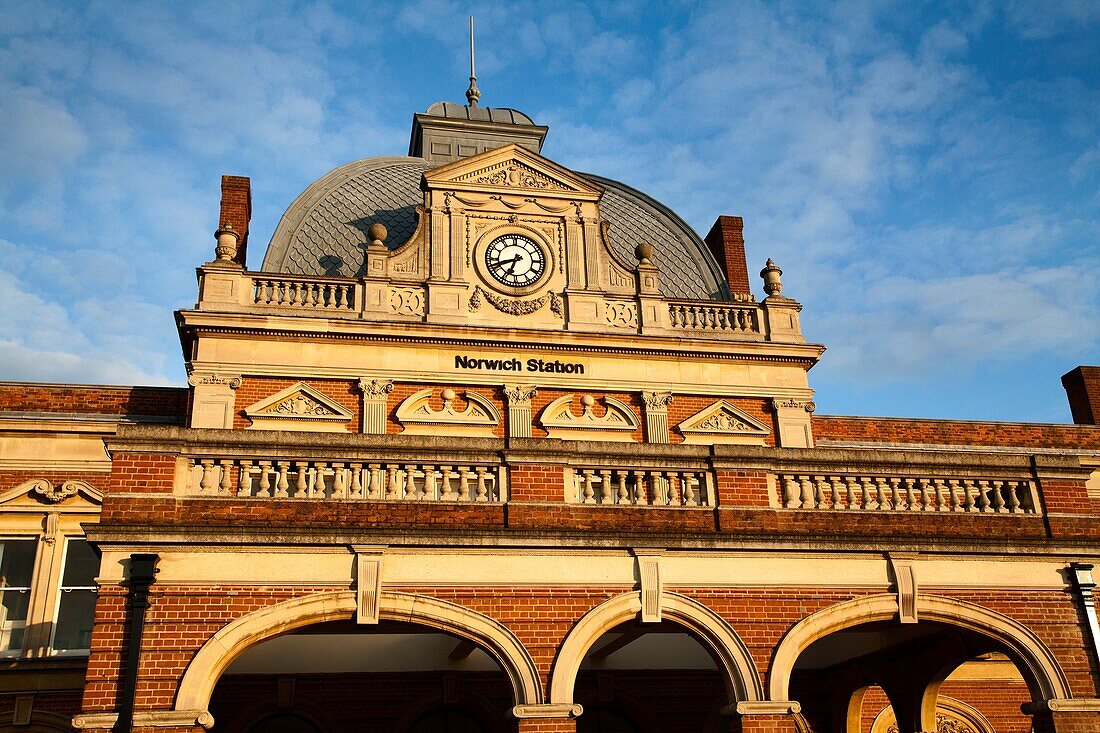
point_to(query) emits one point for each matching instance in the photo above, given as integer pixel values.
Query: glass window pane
(81, 565)
(74, 620)
(17, 563)
(13, 618)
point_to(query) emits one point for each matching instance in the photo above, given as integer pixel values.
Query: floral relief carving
(515, 307)
(300, 404)
(656, 400)
(515, 175)
(520, 394)
(375, 388)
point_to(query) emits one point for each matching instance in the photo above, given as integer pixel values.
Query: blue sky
(927, 174)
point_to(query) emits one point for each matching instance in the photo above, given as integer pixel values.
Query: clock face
(515, 260)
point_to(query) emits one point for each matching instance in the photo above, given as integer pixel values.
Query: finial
(473, 93)
(227, 242)
(644, 253)
(771, 274)
(377, 234)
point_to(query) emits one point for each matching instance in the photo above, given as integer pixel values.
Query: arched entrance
(305, 664)
(837, 658)
(632, 677)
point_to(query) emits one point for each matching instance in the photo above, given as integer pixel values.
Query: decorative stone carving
(407, 301)
(44, 490)
(513, 174)
(375, 393)
(723, 422)
(515, 307)
(621, 314)
(656, 415)
(617, 423)
(368, 583)
(299, 407)
(519, 409)
(204, 379)
(478, 420)
(905, 580)
(795, 422)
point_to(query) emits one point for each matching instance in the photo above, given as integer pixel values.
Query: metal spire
(473, 93)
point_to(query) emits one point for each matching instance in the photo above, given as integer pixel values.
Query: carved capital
(519, 394)
(656, 400)
(796, 405)
(375, 388)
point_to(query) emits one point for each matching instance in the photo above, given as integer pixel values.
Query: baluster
(867, 501)
(341, 296)
(999, 504)
(657, 496)
(941, 494)
(791, 493)
(820, 484)
(623, 494)
(482, 489)
(281, 484)
(850, 485)
(1012, 487)
(448, 487)
(835, 485)
(244, 479)
(926, 500)
(206, 483)
(968, 499)
(807, 491)
(339, 481)
(464, 475)
(895, 494)
(641, 494)
(431, 483)
(328, 299)
(589, 494)
(265, 479)
(303, 487)
(226, 487)
(375, 479)
(690, 481)
(675, 488)
(356, 481)
(393, 489)
(412, 490)
(884, 503)
(981, 496)
(605, 486)
(912, 497)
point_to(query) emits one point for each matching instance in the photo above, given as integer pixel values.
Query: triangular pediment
(40, 492)
(723, 422)
(511, 168)
(299, 407)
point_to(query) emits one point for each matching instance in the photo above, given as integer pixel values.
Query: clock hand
(512, 262)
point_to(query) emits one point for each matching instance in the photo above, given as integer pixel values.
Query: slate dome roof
(325, 230)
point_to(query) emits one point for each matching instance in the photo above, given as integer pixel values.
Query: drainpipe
(1082, 579)
(143, 569)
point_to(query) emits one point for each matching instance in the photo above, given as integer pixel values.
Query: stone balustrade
(639, 487)
(321, 294)
(712, 317)
(345, 480)
(905, 494)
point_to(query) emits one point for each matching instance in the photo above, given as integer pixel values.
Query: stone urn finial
(227, 239)
(644, 253)
(771, 274)
(377, 234)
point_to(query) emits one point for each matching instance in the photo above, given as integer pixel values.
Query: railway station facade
(481, 443)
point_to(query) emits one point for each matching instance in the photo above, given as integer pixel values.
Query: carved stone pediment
(477, 420)
(514, 168)
(723, 422)
(618, 421)
(39, 491)
(299, 407)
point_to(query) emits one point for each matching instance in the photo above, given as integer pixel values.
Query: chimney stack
(727, 244)
(236, 210)
(1083, 390)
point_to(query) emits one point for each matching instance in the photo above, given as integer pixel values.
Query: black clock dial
(515, 260)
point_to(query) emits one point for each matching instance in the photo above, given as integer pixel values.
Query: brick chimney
(1083, 390)
(237, 210)
(727, 244)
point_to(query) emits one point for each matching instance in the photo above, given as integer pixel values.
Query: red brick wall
(148, 401)
(1082, 387)
(726, 242)
(142, 473)
(952, 432)
(253, 389)
(11, 479)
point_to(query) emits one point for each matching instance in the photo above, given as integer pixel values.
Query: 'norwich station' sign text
(515, 365)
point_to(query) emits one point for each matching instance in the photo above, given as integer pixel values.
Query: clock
(515, 261)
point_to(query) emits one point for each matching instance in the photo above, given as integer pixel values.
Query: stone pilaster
(656, 416)
(214, 399)
(795, 423)
(375, 392)
(519, 409)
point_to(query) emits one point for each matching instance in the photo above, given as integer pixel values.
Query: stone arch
(232, 640)
(734, 661)
(1038, 665)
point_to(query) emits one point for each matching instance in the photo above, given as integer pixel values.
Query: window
(76, 600)
(16, 570)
